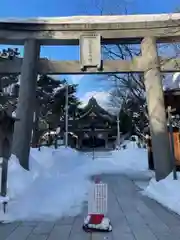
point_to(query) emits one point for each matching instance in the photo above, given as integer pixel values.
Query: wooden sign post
(6, 136)
(97, 208)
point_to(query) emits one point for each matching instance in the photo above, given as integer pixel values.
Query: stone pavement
(133, 216)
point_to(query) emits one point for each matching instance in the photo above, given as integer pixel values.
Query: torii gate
(91, 32)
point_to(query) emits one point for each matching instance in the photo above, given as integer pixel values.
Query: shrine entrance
(93, 142)
(92, 126)
(90, 32)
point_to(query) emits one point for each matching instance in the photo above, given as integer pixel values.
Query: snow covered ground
(58, 181)
(166, 192)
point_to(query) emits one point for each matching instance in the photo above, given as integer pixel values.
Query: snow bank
(130, 144)
(166, 192)
(59, 179)
(18, 178)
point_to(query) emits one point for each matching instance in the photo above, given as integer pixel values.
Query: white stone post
(156, 108)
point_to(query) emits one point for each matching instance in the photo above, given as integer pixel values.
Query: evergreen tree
(50, 104)
(8, 97)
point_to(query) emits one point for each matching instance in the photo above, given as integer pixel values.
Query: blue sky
(46, 8)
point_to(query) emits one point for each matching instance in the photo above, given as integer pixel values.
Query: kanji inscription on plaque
(90, 50)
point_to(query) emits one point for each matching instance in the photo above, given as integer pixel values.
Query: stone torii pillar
(156, 108)
(26, 103)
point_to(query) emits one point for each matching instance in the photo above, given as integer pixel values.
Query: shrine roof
(95, 19)
(175, 91)
(172, 98)
(94, 108)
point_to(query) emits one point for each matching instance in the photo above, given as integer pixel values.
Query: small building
(171, 98)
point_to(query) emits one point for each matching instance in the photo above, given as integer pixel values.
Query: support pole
(173, 159)
(26, 103)
(66, 117)
(156, 109)
(118, 131)
(106, 141)
(118, 120)
(4, 176)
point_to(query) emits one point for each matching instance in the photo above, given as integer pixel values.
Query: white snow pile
(59, 179)
(166, 192)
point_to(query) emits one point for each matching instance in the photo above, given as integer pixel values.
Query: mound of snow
(56, 161)
(130, 144)
(58, 181)
(165, 192)
(18, 178)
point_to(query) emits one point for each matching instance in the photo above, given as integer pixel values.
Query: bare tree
(133, 83)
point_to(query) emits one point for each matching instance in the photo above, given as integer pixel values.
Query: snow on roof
(96, 19)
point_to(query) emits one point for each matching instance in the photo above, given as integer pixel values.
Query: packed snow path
(133, 216)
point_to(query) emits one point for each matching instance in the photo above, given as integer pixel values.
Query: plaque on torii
(90, 51)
